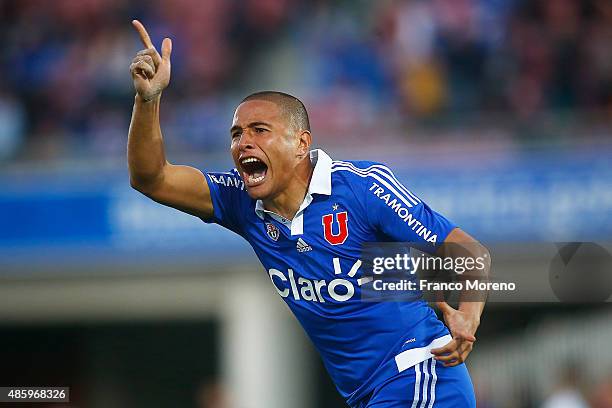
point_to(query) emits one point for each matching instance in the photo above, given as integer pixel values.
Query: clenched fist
(150, 71)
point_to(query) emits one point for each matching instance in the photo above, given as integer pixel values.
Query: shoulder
(231, 201)
(375, 178)
(362, 172)
(227, 179)
(228, 186)
(356, 177)
(355, 169)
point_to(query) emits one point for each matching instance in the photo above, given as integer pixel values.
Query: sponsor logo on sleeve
(400, 207)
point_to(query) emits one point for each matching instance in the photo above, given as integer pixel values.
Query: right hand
(150, 71)
(462, 327)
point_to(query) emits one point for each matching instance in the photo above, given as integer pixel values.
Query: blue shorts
(426, 385)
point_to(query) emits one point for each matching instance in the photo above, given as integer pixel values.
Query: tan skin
(258, 130)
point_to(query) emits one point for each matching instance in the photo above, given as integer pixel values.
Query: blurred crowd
(573, 387)
(66, 89)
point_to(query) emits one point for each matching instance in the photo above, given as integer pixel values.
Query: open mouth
(254, 170)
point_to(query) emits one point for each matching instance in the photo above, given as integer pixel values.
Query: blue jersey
(314, 264)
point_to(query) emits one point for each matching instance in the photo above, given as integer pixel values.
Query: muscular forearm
(459, 244)
(146, 158)
(181, 187)
(464, 322)
(472, 302)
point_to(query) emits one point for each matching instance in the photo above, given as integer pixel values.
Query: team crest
(341, 230)
(272, 231)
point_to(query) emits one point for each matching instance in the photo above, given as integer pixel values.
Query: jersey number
(340, 237)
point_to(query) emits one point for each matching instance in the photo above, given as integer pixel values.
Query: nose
(246, 140)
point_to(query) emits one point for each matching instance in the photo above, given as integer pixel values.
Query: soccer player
(306, 217)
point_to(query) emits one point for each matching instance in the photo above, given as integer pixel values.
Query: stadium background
(497, 112)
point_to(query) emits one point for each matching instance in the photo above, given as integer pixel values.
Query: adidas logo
(302, 246)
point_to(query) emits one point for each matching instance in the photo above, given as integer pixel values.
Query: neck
(287, 202)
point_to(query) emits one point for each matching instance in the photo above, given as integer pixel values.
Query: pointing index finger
(144, 36)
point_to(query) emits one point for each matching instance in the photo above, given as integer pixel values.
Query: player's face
(264, 148)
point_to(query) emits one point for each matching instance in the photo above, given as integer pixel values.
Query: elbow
(484, 254)
(146, 180)
(140, 185)
(135, 184)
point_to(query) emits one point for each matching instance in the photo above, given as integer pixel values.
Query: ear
(304, 141)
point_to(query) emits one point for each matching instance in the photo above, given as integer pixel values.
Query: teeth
(249, 160)
(256, 179)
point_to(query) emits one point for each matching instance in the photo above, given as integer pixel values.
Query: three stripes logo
(302, 246)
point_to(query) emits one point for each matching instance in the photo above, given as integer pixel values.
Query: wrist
(153, 99)
(472, 311)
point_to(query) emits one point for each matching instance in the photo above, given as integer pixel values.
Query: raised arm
(181, 187)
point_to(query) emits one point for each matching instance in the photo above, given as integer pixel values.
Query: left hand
(150, 71)
(462, 327)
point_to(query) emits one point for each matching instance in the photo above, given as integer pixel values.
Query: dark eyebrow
(252, 124)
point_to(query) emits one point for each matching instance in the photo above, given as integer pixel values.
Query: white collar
(320, 182)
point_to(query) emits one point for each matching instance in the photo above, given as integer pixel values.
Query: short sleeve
(400, 215)
(229, 198)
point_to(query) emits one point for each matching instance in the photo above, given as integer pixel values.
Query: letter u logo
(342, 234)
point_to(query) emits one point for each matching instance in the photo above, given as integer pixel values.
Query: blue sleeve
(229, 198)
(401, 216)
